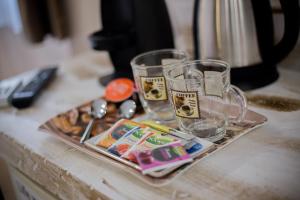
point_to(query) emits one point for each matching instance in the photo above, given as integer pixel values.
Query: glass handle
(238, 94)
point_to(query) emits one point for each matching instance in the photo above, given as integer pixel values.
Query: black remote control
(24, 97)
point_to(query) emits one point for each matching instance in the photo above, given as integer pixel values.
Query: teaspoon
(127, 109)
(98, 110)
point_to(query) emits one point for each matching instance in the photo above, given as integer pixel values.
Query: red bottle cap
(119, 90)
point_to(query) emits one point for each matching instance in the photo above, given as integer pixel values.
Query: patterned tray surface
(70, 125)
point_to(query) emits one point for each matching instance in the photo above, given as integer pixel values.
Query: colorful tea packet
(163, 157)
(193, 145)
(128, 140)
(113, 134)
(153, 139)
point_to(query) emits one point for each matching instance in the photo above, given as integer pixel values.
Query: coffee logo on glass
(154, 88)
(186, 104)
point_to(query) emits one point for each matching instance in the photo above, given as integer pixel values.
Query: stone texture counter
(263, 164)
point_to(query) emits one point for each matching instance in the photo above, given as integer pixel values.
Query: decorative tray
(70, 125)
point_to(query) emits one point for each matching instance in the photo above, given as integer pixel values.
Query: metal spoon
(98, 111)
(127, 109)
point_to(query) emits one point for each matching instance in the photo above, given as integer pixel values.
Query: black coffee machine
(131, 27)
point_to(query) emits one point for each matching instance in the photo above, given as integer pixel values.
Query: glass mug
(201, 94)
(148, 69)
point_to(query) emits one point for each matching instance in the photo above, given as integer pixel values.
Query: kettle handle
(291, 14)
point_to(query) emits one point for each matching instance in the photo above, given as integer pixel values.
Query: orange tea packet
(120, 128)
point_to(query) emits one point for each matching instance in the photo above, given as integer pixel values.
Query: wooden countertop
(264, 164)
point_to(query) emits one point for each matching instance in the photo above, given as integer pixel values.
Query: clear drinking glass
(201, 95)
(148, 69)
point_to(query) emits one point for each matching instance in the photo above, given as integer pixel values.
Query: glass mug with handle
(201, 94)
(148, 69)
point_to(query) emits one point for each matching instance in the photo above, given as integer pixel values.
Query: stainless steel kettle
(241, 33)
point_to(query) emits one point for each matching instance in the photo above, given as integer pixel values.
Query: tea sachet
(121, 127)
(163, 157)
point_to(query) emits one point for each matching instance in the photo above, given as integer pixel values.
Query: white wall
(10, 16)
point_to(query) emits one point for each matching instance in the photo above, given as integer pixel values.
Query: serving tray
(70, 125)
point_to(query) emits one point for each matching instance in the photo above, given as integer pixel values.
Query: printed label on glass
(154, 88)
(213, 83)
(186, 104)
